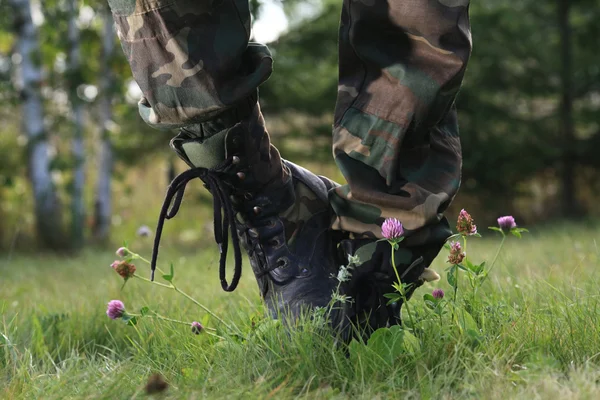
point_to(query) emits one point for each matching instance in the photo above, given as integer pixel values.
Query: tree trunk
(570, 206)
(77, 144)
(47, 205)
(103, 190)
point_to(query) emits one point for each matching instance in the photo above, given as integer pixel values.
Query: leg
(395, 134)
(190, 58)
(198, 73)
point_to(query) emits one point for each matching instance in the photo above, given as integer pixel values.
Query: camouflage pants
(395, 135)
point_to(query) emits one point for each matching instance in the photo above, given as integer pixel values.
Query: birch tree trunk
(103, 190)
(77, 144)
(47, 206)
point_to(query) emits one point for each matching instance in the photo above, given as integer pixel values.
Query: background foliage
(528, 109)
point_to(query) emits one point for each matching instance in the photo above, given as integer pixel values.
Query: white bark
(103, 189)
(77, 144)
(47, 207)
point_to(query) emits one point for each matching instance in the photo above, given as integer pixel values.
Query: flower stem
(456, 285)
(409, 312)
(400, 289)
(456, 274)
(175, 321)
(158, 316)
(137, 256)
(495, 258)
(458, 269)
(196, 302)
(172, 286)
(480, 283)
(153, 282)
(394, 263)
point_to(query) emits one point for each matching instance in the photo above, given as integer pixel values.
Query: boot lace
(224, 218)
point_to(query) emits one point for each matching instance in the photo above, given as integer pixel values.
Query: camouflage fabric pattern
(193, 62)
(306, 205)
(191, 58)
(395, 135)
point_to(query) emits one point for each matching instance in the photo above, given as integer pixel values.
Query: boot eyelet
(282, 263)
(241, 176)
(271, 224)
(274, 243)
(248, 196)
(257, 210)
(235, 160)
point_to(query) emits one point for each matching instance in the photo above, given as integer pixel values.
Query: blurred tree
(74, 82)
(105, 164)
(27, 51)
(569, 201)
(55, 84)
(525, 106)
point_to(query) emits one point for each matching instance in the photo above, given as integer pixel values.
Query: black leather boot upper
(283, 224)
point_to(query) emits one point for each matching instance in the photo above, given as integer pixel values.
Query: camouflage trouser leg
(197, 71)
(191, 58)
(396, 135)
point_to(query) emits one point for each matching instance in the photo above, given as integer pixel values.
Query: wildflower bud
(115, 309)
(507, 223)
(392, 229)
(144, 231)
(456, 254)
(124, 269)
(438, 294)
(122, 252)
(465, 225)
(197, 327)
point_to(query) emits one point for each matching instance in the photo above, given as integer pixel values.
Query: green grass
(541, 337)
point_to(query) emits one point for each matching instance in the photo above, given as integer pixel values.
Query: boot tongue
(198, 152)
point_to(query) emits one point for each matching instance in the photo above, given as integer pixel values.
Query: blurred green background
(79, 168)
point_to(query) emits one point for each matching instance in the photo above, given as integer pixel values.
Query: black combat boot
(278, 211)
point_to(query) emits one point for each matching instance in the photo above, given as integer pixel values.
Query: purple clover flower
(507, 223)
(392, 229)
(197, 327)
(438, 294)
(115, 309)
